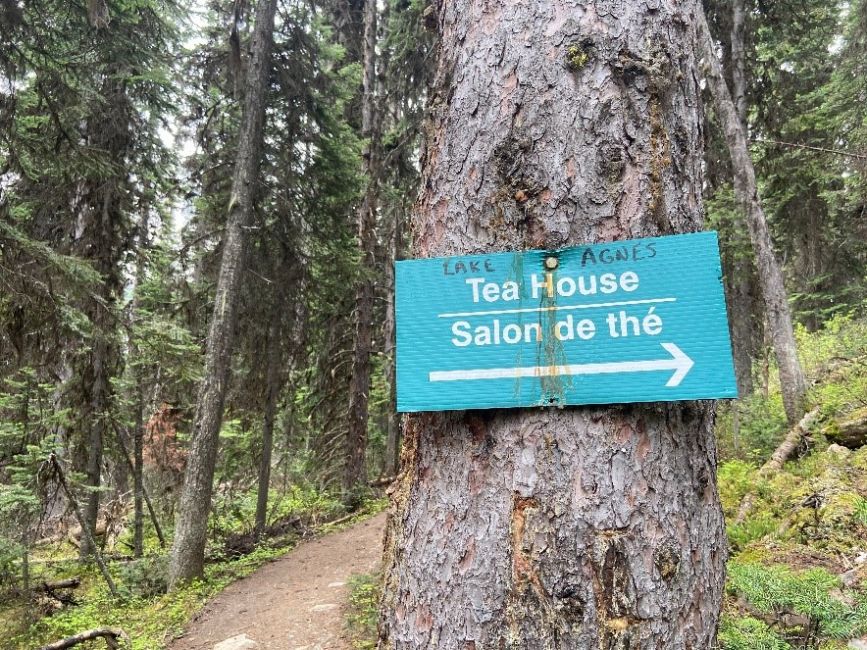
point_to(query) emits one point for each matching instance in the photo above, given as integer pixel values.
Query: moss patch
(577, 56)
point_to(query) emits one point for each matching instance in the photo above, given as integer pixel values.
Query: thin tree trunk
(188, 550)
(138, 376)
(355, 474)
(25, 582)
(557, 124)
(770, 274)
(86, 530)
(288, 441)
(272, 392)
(137, 472)
(391, 462)
(147, 500)
(742, 276)
(392, 440)
(739, 66)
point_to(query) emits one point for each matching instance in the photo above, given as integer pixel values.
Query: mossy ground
(808, 525)
(363, 612)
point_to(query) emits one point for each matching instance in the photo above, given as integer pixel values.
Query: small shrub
(10, 553)
(747, 633)
(813, 594)
(752, 529)
(147, 577)
(364, 592)
(735, 478)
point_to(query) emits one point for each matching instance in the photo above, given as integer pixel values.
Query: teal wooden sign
(630, 321)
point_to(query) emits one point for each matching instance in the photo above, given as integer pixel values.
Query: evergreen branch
(73, 268)
(52, 107)
(838, 152)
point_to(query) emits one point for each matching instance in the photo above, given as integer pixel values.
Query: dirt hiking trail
(295, 603)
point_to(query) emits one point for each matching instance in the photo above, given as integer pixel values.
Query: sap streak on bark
(556, 123)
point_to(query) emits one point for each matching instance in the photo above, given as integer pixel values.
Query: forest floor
(297, 602)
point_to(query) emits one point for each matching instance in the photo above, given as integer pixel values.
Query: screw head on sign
(551, 263)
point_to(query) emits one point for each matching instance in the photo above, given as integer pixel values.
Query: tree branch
(837, 152)
(112, 636)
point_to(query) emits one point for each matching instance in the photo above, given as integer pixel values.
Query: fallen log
(113, 639)
(53, 590)
(341, 520)
(69, 583)
(108, 557)
(851, 433)
(73, 535)
(382, 482)
(778, 459)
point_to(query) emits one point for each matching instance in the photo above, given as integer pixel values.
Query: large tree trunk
(359, 387)
(557, 123)
(769, 272)
(98, 373)
(188, 549)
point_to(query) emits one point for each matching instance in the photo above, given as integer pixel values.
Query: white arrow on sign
(679, 362)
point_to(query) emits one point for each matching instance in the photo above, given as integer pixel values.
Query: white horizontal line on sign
(533, 310)
(679, 362)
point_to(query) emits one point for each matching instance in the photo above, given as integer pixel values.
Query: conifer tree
(555, 528)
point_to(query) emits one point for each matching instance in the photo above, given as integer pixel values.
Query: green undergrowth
(808, 523)
(150, 616)
(363, 611)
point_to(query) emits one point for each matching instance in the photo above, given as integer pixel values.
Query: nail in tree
(557, 123)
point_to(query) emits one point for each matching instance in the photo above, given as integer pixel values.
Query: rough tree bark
(188, 550)
(557, 123)
(359, 386)
(770, 274)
